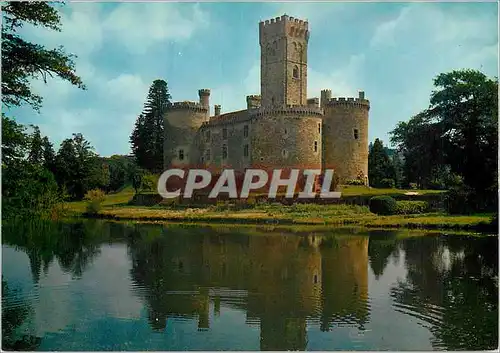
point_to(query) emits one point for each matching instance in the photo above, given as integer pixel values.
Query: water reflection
(291, 286)
(280, 280)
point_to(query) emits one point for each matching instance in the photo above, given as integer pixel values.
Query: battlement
(287, 110)
(204, 92)
(348, 101)
(253, 101)
(187, 105)
(285, 19)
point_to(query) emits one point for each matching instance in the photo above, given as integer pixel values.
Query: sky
(392, 51)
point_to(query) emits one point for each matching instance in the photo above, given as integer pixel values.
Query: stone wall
(344, 120)
(182, 124)
(283, 43)
(285, 138)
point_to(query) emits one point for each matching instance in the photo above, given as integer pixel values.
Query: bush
(355, 182)
(150, 182)
(95, 198)
(387, 183)
(383, 205)
(411, 207)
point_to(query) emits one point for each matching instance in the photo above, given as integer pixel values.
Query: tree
(36, 147)
(79, 169)
(49, 155)
(148, 134)
(22, 60)
(379, 165)
(457, 136)
(14, 141)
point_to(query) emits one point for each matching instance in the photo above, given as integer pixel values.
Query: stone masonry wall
(286, 140)
(182, 127)
(341, 150)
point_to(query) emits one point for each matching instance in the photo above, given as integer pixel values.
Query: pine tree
(49, 155)
(35, 155)
(147, 137)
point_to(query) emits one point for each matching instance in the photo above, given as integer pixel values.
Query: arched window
(295, 72)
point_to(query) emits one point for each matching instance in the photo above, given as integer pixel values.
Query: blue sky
(392, 51)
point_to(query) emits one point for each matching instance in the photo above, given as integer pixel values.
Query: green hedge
(386, 205)
(383, 205)
(411, 207)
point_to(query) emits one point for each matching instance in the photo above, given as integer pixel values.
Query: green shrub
(383, 205)
(411, 207)
(387, 183)
(94, 200)
(354, 182)
(150, 182)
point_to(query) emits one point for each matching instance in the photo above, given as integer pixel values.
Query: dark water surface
(109, 286)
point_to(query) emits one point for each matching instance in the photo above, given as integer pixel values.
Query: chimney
(361, 94)
(217, 110)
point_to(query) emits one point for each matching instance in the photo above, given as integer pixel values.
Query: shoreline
(432, 221)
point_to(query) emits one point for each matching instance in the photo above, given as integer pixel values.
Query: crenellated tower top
(283, 43)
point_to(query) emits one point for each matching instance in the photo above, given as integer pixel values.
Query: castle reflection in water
(282, 281)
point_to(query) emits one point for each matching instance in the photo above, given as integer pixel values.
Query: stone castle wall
(182, 124)
(286, 138)
(281, 128)
(345, 136)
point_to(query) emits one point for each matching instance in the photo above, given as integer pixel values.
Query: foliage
(121, 169)
(149, 182)
(148, 134)
(379, 165)
(94, 200)
(22, 60)
(354, 182)
(457, 135)
(383, 205)
(411, 207)
(78, 167)
(387, 183)
(28, 189)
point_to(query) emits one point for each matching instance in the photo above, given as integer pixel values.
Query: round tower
(345, 136)
(181, 128)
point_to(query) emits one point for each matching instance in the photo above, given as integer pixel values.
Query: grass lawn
(115, 207)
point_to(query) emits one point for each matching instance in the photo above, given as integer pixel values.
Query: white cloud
(138, 26)
(431, 24)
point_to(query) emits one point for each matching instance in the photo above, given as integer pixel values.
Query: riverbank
(117, 207)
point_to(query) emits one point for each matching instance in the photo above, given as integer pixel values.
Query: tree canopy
(23, 61)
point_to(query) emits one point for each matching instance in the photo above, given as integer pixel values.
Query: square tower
(283, 61)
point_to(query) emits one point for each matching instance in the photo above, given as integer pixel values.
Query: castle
(281, 128)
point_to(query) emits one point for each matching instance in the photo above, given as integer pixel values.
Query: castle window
(207, 136)
(224, 152)
(245, 151)
(356, 134)
(284, 153)
(315, 146)
(272, 100)
(285, 132)
(315, 279)
(224, 133)
(207, 153)
(295, 72)
(202, 160)
(319, 128)
(262, 159)
(245, 131)
(181, 155)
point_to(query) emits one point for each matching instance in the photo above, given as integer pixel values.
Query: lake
(94, 285)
